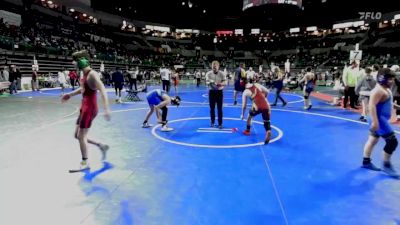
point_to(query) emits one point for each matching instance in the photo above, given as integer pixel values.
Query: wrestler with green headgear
(90, 84)
(82, 59)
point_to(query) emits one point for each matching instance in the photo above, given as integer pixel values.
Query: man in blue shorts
(240, 82)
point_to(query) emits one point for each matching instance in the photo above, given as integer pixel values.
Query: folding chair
(132, 96)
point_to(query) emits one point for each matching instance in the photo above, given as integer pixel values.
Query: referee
(216, 81)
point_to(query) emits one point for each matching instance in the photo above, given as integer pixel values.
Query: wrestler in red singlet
(89, 108)
(90, 83)
(260, 104)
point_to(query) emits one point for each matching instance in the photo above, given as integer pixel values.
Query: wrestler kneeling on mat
(258, 94)
(90, 83)
(158, 100)
(380, 107)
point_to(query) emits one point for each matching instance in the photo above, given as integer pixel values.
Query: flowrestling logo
(370, 15)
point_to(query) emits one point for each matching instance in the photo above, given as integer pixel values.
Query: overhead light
(190, 5)
(120, 9)
(84, 15)
(385, 21)
(183, 3)
(90, 17)
(204, 11)
(49, 2)
(72, 10)
(130, 26)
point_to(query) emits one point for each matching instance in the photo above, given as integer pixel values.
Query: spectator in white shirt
(62, 81)
(165, 78)
(250, 75)
(198, 78)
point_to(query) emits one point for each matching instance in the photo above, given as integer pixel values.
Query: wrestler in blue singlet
(384, 111)
(154, 97)
(310, 86)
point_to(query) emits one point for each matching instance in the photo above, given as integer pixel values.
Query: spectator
(6, 74)
(350, 77)
(34, 81)
(198, 78)
(72, 78)
(13, 80)
(165, 78)
(278, 85)
(62, 81)
(118, 80)
(364, 88)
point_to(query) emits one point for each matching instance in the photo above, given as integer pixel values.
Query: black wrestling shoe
(370, 166)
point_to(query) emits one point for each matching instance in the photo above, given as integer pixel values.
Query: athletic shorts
(238, 86)
(384, 130)
(86, 116)
(264, 113)
(308, 89)
(374, 134)
(118, 85)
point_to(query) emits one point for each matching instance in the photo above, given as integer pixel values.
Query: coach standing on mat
(216, 81)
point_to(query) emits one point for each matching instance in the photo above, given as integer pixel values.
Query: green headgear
(82, 59)
(83, 63)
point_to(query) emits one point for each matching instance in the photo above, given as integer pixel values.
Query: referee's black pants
(216, 97)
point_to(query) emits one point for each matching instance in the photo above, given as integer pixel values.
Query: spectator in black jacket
(19, 77)
(13, 79)
(118, 80)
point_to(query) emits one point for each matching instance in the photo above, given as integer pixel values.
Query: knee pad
(391, 144)
(164, 109)
(305, 96)
(164, 113)
(267, 125)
